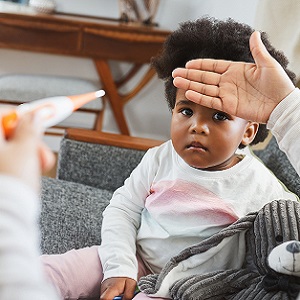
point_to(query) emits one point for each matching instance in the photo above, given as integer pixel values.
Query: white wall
(170, 12)
(147, 113)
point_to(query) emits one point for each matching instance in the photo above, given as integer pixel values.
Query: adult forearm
(21, 276)
(284, 123)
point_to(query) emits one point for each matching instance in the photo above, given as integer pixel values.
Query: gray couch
(87, 175)
(90, 167)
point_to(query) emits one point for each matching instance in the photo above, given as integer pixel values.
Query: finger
(205, 89)
(198, 76)
(4, 111)
(129, 290)
(47, 157)
(181, 83)
(208, 101)
(180, 72)
(109, 293)
(26, 129)
(217, 66)
(2, 136)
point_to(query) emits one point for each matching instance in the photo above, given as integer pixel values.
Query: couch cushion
(97, 165)
(278, 163)
(71, 215)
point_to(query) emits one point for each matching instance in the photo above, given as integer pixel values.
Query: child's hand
(24, 155)
(116, 286)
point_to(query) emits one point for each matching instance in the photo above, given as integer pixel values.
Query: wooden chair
(16, 89)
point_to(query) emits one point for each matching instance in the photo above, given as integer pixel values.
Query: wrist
(290, 102)
(17, 193)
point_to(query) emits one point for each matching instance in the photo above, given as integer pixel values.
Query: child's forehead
(181, 102)
(187, 102)
(184, 101)
(180, 95)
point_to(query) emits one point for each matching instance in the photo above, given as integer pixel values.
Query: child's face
(206, 138)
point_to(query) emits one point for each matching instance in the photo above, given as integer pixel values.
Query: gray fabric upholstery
(278, 163)
(25, 87)
(72, 204)
(96, 165)
(71, 215)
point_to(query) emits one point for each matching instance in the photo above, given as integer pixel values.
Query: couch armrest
(279, 164)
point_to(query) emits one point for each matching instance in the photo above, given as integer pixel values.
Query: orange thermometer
(51, 110)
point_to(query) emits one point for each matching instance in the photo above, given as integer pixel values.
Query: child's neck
(234, 160)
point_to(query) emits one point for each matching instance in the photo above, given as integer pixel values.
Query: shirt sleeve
(21, 275)
(284, 123)
(121, 220)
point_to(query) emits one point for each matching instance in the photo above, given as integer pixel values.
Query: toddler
(183, 191)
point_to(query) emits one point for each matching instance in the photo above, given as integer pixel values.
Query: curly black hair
(208, 37)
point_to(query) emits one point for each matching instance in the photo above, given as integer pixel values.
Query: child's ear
(250, 133)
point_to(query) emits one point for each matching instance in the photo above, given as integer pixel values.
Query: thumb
(29, 126)
(129, 290)
(47, 158)
(27, 129)
(259, 52)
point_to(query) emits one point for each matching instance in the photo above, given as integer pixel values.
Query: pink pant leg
(76, 273)
(143, 271)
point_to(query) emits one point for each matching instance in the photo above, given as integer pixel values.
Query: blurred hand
(249, 91)
(24, 155)
(116, 286)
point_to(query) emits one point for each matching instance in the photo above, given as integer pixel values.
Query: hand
(24, 155)
(249, 91)
(116, 286)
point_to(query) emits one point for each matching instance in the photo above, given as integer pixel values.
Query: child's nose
(200, 126)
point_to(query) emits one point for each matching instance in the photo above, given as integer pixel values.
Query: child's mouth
(197, 146)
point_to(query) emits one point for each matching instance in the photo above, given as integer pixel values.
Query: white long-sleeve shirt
(21, 275)
(284, 123)
(166, 206)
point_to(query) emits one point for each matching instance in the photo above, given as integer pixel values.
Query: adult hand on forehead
(249, 91)
(24, 155)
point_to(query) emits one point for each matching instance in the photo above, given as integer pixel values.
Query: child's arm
(121, 220)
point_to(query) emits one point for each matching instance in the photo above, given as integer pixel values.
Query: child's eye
(186, 111)
(219, 116)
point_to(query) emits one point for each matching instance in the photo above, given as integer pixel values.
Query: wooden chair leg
(112, 94)
(99, 118)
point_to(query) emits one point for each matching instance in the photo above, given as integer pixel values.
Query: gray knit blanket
(203, 272)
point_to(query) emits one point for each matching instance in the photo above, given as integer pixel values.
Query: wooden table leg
(111, 90)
